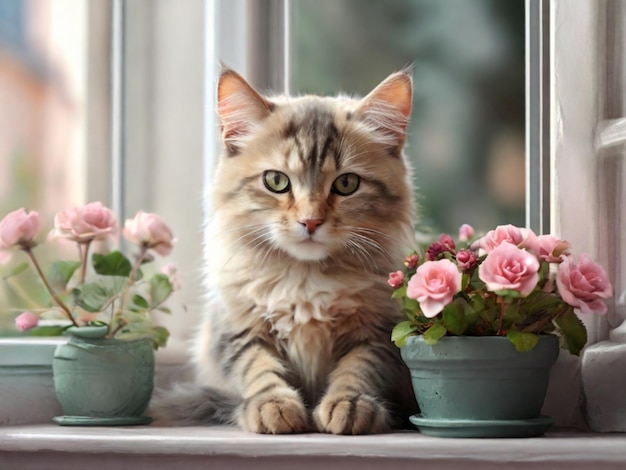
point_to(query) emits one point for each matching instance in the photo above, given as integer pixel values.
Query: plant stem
(55, 297)
(131, 282)
(133, 271)
(499, 333)
(84, 258)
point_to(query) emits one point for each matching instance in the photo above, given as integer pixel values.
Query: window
(48, 131)
(467, 127)
(59, 147)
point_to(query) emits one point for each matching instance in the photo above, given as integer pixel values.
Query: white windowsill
(151, 447)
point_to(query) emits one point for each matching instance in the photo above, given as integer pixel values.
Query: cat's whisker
(374, 245)
(261, 236)
(359, 253)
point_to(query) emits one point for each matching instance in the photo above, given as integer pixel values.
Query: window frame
(552, 160)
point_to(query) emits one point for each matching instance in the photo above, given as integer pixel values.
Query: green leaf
(508, 293)
(513, 313)
(410, 307)
(94, 296)
(17, 270)
(111, 264)
(401, 331)
(399, 293)
(164, 310)
(61, 272)
(434, 333)
(522, 341)
(46, 331)
(454, 317)
(573, 331)
(140, 302)
(160, 289)
(160, 336)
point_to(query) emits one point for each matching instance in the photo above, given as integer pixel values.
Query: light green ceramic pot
(480, 386)
(103, 382)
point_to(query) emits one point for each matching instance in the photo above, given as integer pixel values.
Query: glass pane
(466, 138)
(43, 126)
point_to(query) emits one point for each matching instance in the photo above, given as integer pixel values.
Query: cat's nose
(311, 224)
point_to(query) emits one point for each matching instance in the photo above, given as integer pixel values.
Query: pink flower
(26, 321)
(447, 243)
(92, 221)
(584, 285)
(466, 259)
(19, 228)
(502, 233)
(433, 285)
(546, 247)
(149, 231)
(511, 268)
(171, 272)
(411, 261)
(466, 233)
(396, 279)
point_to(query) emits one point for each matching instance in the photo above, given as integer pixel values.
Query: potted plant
(484, 322)
(103, 301)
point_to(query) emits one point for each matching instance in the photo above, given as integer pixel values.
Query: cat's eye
(346, 184)
(276, 181)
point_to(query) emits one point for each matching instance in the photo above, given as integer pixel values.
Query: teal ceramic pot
(103, 382)
(469, 386)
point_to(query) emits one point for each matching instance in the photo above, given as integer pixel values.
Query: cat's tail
(191, 404)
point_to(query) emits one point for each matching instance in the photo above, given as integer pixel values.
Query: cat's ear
(239, 107)
(388, 107)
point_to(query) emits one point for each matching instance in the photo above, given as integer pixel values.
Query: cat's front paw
(279, 411)
(351, 413)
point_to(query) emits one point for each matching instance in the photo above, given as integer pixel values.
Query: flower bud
(396, 279)
(19, 228)
(466, 233)
(411, 261)
(171, 272)
(26, 321)
(149, 230)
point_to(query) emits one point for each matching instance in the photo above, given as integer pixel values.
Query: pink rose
(511, 268)
(433, 285)
(466, 233)
(502, 233)
(19, 228)
(26, 321)
(149, 231)
(546, 247)
(584, 285)
(466, 259)
(92, 221)
(396, 279)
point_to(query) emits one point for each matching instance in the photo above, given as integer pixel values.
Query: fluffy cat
(313, 208)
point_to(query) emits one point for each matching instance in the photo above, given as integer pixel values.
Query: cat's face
(311, 176)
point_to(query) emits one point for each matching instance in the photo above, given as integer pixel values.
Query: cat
(312, 208)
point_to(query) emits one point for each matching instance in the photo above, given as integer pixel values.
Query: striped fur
(297, 332)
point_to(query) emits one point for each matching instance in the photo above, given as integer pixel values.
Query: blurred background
(466, 138)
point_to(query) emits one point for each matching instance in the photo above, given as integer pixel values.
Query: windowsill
(51, 447)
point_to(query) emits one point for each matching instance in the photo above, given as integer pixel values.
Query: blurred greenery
(466, 138)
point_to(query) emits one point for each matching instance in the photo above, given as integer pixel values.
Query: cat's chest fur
(305, 310)
(290, 297)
